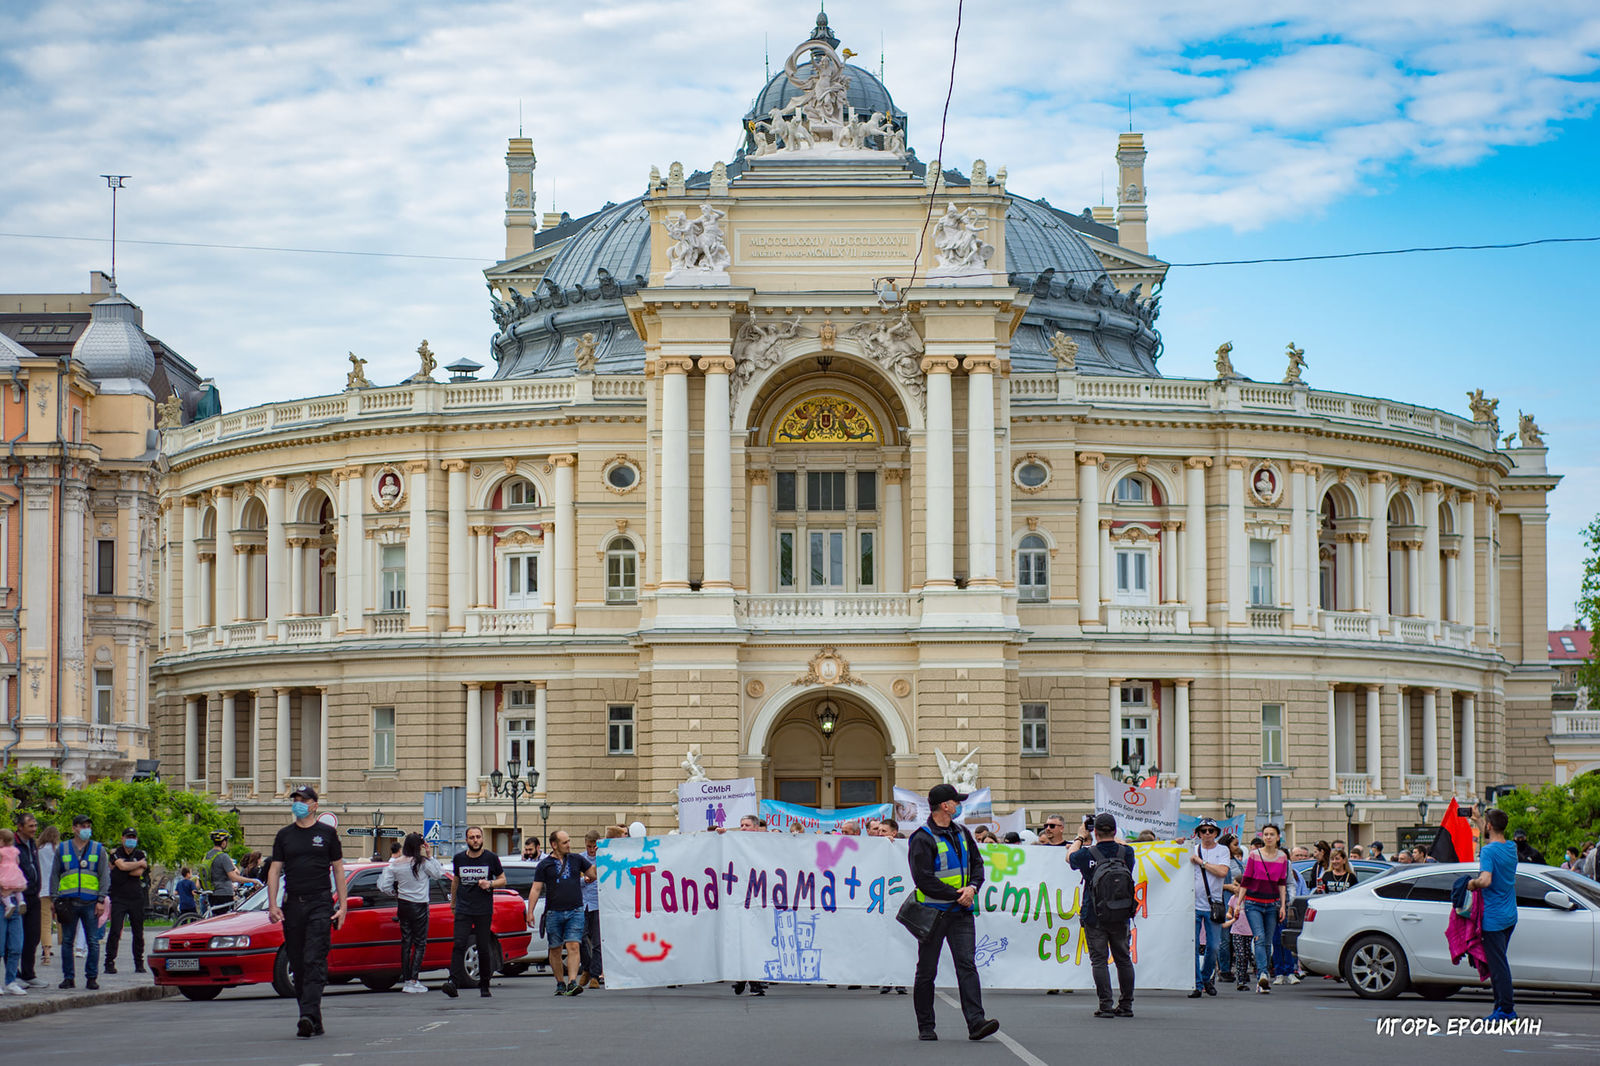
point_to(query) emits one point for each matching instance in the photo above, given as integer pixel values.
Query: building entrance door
(846, 766)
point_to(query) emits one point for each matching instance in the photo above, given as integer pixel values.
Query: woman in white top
(410, 876)
(49, 839)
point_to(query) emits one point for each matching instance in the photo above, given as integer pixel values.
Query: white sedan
(1386, 935)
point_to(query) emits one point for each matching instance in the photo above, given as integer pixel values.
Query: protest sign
(911, 808)
(1187, 823)
(1137, 808)
(704, 805)
(818, 820)
(821, 910)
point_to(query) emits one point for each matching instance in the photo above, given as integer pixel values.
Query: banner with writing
(911, 808)
(1138, 808)
(1187, 823)
(812, 909)
(706, 805)
(820, 820)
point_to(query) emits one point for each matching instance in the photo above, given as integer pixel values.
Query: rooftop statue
(963, 253)
(169, 412)
(1528, 430)
(427, 365)
(1483, 410)
(1065, 349)
(583, 354)
(1297, 363)
(357, 377)
(822, 95)
(699, 253)
(1225, 361)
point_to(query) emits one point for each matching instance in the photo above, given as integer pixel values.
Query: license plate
(183, 965)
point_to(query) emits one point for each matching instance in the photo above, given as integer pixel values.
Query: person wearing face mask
(129, 871)
(80, 887)
(305, 854)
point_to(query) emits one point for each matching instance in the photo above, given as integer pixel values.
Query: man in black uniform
(477, 872)
(304, 854)
(948, 872)
(129, 869)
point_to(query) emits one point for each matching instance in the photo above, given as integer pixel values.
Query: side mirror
(357, 902)
(1560, 900)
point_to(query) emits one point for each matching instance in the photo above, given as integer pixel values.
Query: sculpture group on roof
(699, 244)
(819, 117)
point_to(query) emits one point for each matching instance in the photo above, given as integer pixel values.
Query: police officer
(304, 855)
(224, 874)
(79, 886)
(948, 871)
(129, 879)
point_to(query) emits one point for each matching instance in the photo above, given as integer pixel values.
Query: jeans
(1115, 943)
(1263, 918)
(11, 934)
(133, 911)
(76, 914)
(1207, 962)
(1495, 946)
(307, 931)
(466, 927)
(957, 929)
(413, 938)
(590, 948)
(32, 927)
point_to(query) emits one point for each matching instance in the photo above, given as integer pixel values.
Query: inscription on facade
(826, 244)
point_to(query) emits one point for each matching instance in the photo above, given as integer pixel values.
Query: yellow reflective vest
(80, 873)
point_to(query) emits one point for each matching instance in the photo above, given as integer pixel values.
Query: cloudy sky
(1280, 127)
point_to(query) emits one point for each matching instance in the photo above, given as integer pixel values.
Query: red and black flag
(1454, 841)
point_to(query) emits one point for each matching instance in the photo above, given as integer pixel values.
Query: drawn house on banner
(798, 959)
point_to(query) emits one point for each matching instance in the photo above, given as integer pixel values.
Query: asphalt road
(707, 1024)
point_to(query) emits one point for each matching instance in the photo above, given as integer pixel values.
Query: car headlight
(162, 943)
(228, 942)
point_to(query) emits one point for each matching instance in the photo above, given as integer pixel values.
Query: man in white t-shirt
(1209, 860)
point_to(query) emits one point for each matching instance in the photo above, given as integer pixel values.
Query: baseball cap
(82, 819)
(304, 792)
(1105, 822)
(944, 793)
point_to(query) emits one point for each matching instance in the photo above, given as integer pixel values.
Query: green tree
(1589, 606)
(1556, 817)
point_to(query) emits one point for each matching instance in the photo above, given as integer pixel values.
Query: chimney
(552, 219)
(1131, 211)
(1104, 214)
(520, 196)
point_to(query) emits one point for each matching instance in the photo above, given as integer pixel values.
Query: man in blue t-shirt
(1497, 881)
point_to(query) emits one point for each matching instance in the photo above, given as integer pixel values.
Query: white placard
(706, 805)
(1138, 808)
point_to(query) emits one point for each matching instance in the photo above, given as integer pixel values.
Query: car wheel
(380, 982)
(200, 993)
(1437, 992)
(469, 963)
(282, 979)
(1375, 968)
(186, 919)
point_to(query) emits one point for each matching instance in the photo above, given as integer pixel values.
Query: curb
(12, 1012)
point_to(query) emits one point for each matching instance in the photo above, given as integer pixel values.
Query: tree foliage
(1589, 606)
(1556, 816)
(174, 825)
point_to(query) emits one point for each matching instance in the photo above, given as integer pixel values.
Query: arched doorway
(810, 762)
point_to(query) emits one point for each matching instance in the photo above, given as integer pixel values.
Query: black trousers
(32, 923)
(307, 930)
(1114, 942)
(589, 947)
(133, 911)
(957, 929)
(413, 938)
(467, 927)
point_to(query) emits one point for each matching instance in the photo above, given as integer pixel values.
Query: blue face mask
(85, 833)
(130, 842)
(300, 808)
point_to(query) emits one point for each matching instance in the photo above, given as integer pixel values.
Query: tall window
(1261, 593)
(825, 490)
(520, 725)
(1272, 734)
(105, 567)
(522, 581)
(619, 729)
(866, 569)
(1033, 570)
(1036, 729)
(786, 559)
(622, 572)
(1132, 490)
(104, 696)
(392, 560)
(383, 738)
(827, 530)
(1133, 575)
(519, 492)
(1136, 745)
(866, 490)
(827, 559)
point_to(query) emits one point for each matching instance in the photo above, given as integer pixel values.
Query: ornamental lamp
(514, 768)
(496, 779)
(827, 716)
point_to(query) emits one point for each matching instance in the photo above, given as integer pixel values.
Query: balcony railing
(312, 630)
(1418, 786)
(1577, 724)
(1153, 618)
(292, 783)
(1268, 619)
(808, 611)
(1354, 786)
(1456, 635)
(1414, 630)
(508, 623)
(103, 738)
(1351, 625)
(199, 639)
(1461, 788)
(238, 788)
(387, 623)
(244, 634)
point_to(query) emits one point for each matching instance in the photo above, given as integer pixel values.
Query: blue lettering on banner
(853, 882)
(875, 896)
(830, 898)
(780, 889)
(756, 882)
(730, 879)
(711, 889)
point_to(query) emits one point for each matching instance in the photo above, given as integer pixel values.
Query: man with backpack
(1107, 911)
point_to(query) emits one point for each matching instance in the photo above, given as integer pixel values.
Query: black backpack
(1111, 888)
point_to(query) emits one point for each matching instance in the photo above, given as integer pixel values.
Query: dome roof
(113, 349)
(11, 353)
(618, 241)
(1038, 238)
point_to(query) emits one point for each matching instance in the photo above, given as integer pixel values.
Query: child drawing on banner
(988, 949)
(797, 959)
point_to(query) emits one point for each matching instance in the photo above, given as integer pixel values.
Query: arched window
(519, 492)
(622, 571)
(1133, 490)
(1033, 570)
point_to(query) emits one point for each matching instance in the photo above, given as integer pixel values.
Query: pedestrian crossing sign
(432, 831)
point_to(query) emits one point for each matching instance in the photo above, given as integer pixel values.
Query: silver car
(1387, 935)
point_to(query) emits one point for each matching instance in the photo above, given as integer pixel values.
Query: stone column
(1180, 726)
(206, 563)
(456, 534)
(566, 545)
(1333, 740)
(1358, 571)
(1374, 738)
(1430, 737)
(419, 548)
(1089, 536)
(1452, 567)
(541, 737)
(940, 481)
(1469, 739)
(255, 740)
(760, 581)
(1169, 561)
(1299, 564)
(325, 729)
(674, 471)
(243, 587)
(981, 510)
(1238, 549)
(483, 546)
(1430, 550)
(352, 545)
(230, 741)
(193, 741)
(1467, 596)
(297, 576)
(1415, 606)
(1108, 570)
(1116, 722)
(716, 489)
(1402, 717)
(1378, 546)
(891, 550)
(278, 580)
(547, 564)
(474, 732)
(1194, 539)
(223, 603)
(282, 756)
(191, 564)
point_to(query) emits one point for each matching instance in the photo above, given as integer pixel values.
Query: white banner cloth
(1138, 808)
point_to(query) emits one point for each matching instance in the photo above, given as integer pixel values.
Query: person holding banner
(948, 872)
(1210, 862)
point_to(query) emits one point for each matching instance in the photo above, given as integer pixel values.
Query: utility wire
(249, 247)
(938, 158)
(1390, 251)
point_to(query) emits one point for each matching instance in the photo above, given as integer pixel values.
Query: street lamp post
(544, 816)
(511, 784)
(1349, 820)
(1227, 810)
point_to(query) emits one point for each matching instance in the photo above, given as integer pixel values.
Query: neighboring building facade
(78, 528)
(1575, 723)
(737, 489)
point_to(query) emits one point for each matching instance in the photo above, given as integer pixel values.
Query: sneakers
(16, 988)
(1500, 1016)
(449, 989)
(1211, 988)
(414, 987)
(1196, 994)
(68, 983)
(1124, 1012)
(1105, 1012)
(1278, 980)
(305, 1027)
(987, 1027)
(109, 968)
(1295, 979)
(927, 1034)
(1264, 985)
(1240, 987)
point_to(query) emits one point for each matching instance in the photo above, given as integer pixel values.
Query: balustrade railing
(1418, 786)
(806, 610)
(1354, 786)
(1147, 618)
(508, 623)
(243, 634)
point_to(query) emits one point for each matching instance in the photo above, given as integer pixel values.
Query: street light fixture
(1227, 810)
(1349, 820)
(544, 816)
(827, 717)
(511, 784)
(1422, 812)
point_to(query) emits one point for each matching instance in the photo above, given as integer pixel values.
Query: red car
(245, 948)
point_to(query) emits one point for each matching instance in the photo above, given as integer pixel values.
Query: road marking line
(431, 1026)
(1015, 1048)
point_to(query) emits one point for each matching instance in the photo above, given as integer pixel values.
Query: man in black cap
(304, 855)
(129, 876)
(948, 872)
(1107, 914)
(1526, 852)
